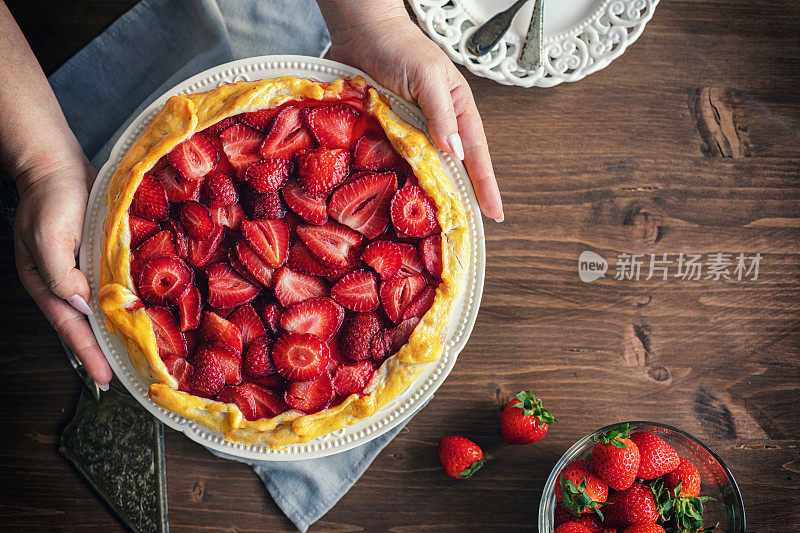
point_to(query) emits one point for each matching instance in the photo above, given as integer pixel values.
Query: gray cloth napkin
(154, 46)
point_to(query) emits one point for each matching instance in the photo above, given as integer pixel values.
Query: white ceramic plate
(580, 36)
(464, 313)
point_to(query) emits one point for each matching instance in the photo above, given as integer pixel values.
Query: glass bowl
(717, 481)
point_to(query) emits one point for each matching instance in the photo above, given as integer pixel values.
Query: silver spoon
(488, 35)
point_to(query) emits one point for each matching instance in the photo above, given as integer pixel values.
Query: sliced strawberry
(332, 125)
(161, 163)
(271, 315)
(150, 200)
(179, 238)
(332, 243)
(431, 248)
(163, 280)
(269, 239)
(363, 204)
(318, 316)
(196, 219)
(413, 212)
(190, 306)
(286, 136)
(253, 264)
(178, 188)
(141, 229)
(292, 287)
(373, 152)
(202, 251)
(267, 205)
(320, 170)
(227, 289)
(309, 396)
(352, 378)
(214, 328)
(219, 191)
(159, 245)
(246, 319)
(194, 157)
(410, 262)
(260, 119)
(238, 266)
(337, 358)
(169, 339)
(180, 369)
(356, 338)
(309, 208)
(300, 356)
(215, 129)
(241, 145)
(223, 165)
(302, 260)
(268, 175)
(258, 358)
(208, 376)
(384, 257)
(192, 337)
(357, 291)
(230, 216)
(397, 294)
(379, 347)
(420, 305)
(399, 335)
(254, 401)
(229, 360)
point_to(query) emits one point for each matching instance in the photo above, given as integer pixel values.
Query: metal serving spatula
(119, 448)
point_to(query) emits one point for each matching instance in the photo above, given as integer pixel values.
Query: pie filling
(283, 254)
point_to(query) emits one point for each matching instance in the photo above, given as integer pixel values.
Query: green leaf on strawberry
(474, 467)
(532, 406)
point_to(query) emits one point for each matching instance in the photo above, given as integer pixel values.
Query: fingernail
(454, 141)
(77, 301)
(501, 218)
(103, 387)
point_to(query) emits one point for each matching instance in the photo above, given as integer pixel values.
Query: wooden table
(688, 143)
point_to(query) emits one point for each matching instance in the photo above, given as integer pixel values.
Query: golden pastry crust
(179, 119)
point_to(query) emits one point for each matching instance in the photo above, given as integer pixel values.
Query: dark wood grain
(688, 143)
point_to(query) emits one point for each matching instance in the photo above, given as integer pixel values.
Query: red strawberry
(179, 237)
(267, 205)
(525, 421)
(656, 456)
(223, 165)
(413, 212)
(384, 257)
(141, 229)
(286, 136)
(431, 248)
(168, 337)
(400, 334)
(357, 291)
(218, 127)
(460, 457)
(633, 505)
(194, 157)
(687, 475)
(300, 356)
(292, 287)
(256, 268)
(241, 145)
(207, 377)
(589, 521)
(579, 489)
(254, 401)
(246, 319)
(373, 152)
(271, 315)
(355, 342)
(180, 369)
(320, 170)
(159, 245)
(397, 294)
(219, 190)
(196, 219)
(351, 379)
(318, 316)
(150, 200)
(379, 347)
(332, 243)
(302, 260)
(260, 119)
(178, 188)
(309, 208)
(268, 175)
(258, 358)
(190, 306)
(643, 528)
(410, 262)
(229, 360)
(572, 527)
(332, 125)
(309, 396)
(363, 204)
(269, 239)
(615, 457)
(163, 280)
(227, 289)
(420, 305)
(230, 216)
(214, 328)
(201, 251)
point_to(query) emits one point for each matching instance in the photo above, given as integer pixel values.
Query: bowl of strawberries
(640, 477)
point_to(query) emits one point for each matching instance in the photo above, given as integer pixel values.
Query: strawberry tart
(281, 257)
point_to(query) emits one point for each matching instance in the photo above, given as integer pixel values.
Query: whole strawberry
(572, 527)
(524, 420)
(644, 528)
(656, 456)
(580, 490)
(589, 521)
(682, 511)
(687, 475)
(460, 457)
(634, 505)
(615, 457)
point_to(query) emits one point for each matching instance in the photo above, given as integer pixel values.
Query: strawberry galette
(281, 256)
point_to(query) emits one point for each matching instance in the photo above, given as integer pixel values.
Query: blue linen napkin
(154, 46)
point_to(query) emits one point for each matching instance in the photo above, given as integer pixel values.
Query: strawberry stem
(532, 406)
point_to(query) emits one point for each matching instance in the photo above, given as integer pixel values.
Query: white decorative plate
(464, 313)
(580, 36)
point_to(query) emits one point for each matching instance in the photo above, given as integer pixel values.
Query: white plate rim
(341, 440)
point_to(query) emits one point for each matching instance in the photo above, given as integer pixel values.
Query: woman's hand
(379, 38)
